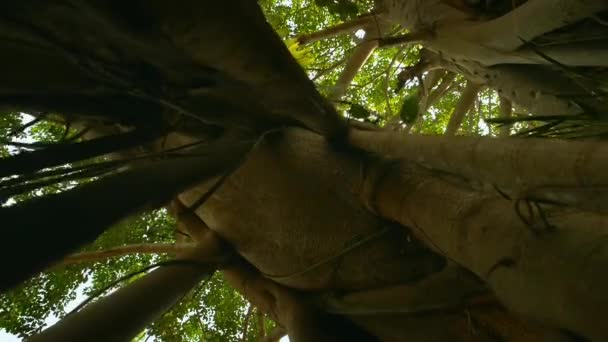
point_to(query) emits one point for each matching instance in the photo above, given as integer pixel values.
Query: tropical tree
(307, 151)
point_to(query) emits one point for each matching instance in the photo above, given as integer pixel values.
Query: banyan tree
(397, 170)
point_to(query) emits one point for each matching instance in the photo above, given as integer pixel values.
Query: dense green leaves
(344, 8)
(410, 109)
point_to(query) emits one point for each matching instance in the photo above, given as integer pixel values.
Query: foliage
(301, 54)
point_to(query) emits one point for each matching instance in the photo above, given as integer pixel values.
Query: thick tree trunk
(271, 176)
(486, 51)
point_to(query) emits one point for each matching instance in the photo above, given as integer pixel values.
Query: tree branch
(101, 203)
(246, 323)
(531, 20)
(506, 242)
(358, 58)
(146, 248)
(124, 313)
(335, 30)
(506, 110)
(441, 89)
(496, 41)
(495, 161)
(467, 98)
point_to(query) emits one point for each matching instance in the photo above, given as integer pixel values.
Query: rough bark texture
(293, 185)
(491, 237)
(306, 191)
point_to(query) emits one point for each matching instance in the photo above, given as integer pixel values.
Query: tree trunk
(123, 314)
(371, 225)
(80, 215)
(268, 178)
(464, 105)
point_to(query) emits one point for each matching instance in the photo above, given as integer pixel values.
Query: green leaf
(357, 111)
(345, 9)
(409, 108)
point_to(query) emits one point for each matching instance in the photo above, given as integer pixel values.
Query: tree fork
(287, 307)
(150, 248)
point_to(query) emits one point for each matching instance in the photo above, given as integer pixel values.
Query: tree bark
(506, 111)
(512, 251)
(97, 205)
(300, 318)
(28, 162)
(335, 30)
(464, 105)
(490, 163)
(150, 248)
(357, 59)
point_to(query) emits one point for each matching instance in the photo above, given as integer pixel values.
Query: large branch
(228, 36)
(466, 101)
(530, 20)
(492, 162)
(147, 248)
(126, 312)
(449, 289)
(335, 30)
(496, 41)
(302, 320)
(64, 153)
(181, 49)
(511, 249)
(357, 59)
